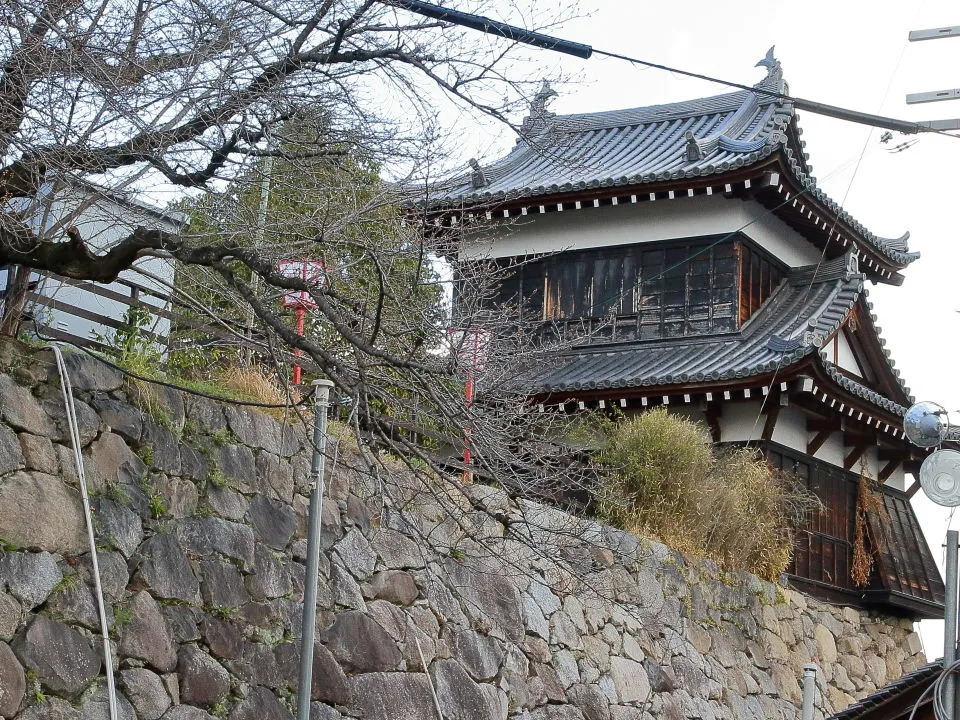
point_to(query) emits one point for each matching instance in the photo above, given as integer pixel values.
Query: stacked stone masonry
(506, 609)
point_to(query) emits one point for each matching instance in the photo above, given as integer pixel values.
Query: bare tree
(161, 95)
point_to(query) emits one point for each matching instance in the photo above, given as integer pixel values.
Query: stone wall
(504, 609)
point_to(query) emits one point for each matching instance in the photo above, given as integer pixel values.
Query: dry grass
(869, 501)
(665, 478)
(254, 383)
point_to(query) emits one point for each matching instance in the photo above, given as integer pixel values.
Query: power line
(568, 47)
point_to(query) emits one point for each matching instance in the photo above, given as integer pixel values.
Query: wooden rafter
(887, 470)
(851, 459)
(818, 440)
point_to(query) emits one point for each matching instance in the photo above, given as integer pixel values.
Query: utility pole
(936, 95)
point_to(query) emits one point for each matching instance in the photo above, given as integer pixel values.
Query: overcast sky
(852, 54)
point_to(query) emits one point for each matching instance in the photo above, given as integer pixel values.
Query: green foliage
(116, 492)
(145, 452)
(334, 210)
(661, 475)
(122, 616)
(69, 582)
(158, 506)
(130, 345)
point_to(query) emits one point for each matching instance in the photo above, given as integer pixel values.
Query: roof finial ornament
(538, 115)
(477, 179)
(774, 79)
(694, 151)
(538, 108)
(769, 61)
(853, 262)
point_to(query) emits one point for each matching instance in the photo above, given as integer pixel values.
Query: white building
(691, 248)
(87, 313)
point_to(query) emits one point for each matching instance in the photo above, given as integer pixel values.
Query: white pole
(950, 621)
(308, 633)
(809, 691)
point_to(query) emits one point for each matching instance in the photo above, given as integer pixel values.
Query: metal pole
(950, 620)
(809, 691)
(308, 633)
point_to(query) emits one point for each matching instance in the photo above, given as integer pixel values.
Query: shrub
(661, 475)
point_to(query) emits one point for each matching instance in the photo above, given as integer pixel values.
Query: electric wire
(562, 45)
(70, 409)
(833, 226)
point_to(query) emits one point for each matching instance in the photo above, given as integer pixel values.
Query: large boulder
(489, 596)
(166, 569)
(38, 511)
(203, 681)
(458, 694)
(260, 704)
(360, 643)
(60, 657)
(222, 585)
(273, 522)
(146, 692)
(206, 535)
(88, 373)
(13, 683)
(11, 453)
(122, 527)
(111, 461)
(97, 707)
(480, 655)
(21, 410)
(148, 636)
(330, 684)
(393, 696)
(29, 577)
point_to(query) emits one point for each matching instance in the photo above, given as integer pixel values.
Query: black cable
(550, 42)
(164, 383)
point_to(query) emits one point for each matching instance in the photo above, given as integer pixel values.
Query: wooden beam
(850, 460)
(819, 425)
(712, 415)
(887, 470)
(888, 454)
(819, 439)
(771, 407)
(855, 439)
(913, 489)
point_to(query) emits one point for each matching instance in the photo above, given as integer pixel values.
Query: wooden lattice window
(647, 291)
(759, 277)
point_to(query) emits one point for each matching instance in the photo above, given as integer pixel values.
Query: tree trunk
(14, 300)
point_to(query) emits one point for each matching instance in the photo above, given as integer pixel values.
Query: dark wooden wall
(646, 291)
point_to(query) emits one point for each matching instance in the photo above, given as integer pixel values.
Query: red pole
(296, 368)
(467, 475)
(466, 430)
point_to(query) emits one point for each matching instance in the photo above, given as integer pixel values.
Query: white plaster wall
(739, 422)
(845, 357)
(102, 222)
(791, 429)
(645, 222)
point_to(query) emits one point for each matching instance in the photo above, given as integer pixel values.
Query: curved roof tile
(809, 305)
(568, 153)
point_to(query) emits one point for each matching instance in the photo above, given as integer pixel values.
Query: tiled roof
(690, 139)
(807, 307)
(921, 676)
(862, 391)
